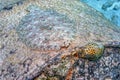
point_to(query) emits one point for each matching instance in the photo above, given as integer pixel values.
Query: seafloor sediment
(36, 21)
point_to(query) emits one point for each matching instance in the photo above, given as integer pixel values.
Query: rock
(1, 46)
(107, 5)
(8, 4)
(116, 7)
(106, 67)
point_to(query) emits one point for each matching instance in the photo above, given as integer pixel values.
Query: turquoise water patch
(109, 8)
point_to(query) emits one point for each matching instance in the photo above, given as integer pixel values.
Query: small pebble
(8, 8)
(1, 46)
(12, 51)
(108, 79)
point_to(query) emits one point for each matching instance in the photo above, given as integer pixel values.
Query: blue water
(109, 8)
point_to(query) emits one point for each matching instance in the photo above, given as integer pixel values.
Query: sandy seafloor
(14, 51)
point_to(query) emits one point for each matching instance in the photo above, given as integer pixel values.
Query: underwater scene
(59, 39)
